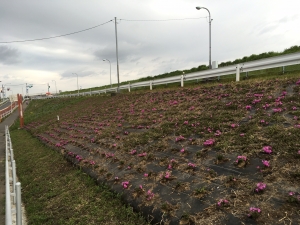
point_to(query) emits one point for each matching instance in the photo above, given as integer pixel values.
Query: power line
(63, 35)
(164, 20)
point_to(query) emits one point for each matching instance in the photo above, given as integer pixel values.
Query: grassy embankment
(55, 192)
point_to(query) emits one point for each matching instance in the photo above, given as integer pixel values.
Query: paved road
(6, 104)
(8, 121)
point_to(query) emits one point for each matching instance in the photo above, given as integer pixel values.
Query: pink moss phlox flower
(295, 117)
(109, 155)
(169, 167)
(141, 186)
(223, 202)
(182, 150)
(150, 195)
(242, 134)
(186, 122)
(70, 153)
(92, 162)
(266, 163)
(126, 133)
(248, 107)
(79, 158)
(277, 110)
(234, 125)
(260, 187)
(218, 133)
(180, 138)
(209, 142)
(125, 184)
(254, 211)
(114, 145)
(142, 154)
(294, 108)
(298, 82)
(116, 178)
(291, 193)
(128, 167)
(240, 157)
(192, 108)
(298, 152)
(192, 165)
(267, 149)
(146, 175)
(297, 125)
(167, 176)
(132, 152)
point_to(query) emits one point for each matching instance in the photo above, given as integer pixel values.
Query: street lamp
(110, 70)
(55, 85)
(77, 83)
(198, 8)
(3, 89)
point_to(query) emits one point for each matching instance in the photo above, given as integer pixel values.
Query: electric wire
(62, 35)
(163, 20)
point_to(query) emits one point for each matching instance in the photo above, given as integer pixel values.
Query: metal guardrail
(12, 206)
(8, 110)
(272, 62)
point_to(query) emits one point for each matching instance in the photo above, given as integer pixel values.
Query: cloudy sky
(154, 37)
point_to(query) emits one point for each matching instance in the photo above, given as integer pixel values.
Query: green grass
(55, 192)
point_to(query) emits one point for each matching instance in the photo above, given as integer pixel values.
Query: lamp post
(110, 70)
(3, 89)
(55, 86)
(77, 83)
(117, 54)
(198, 8)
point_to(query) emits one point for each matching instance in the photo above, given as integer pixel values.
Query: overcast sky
(146, 48)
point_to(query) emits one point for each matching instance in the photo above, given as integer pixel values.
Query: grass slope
(55, 192)
(178, 154)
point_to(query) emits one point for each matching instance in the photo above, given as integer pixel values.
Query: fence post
(14, 179)
(237, 72)
(283, 70)
(18, 204)
(182, 84)
(151, 85)
(129, 87)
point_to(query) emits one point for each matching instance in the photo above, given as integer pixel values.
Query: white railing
(12, 187)
(8, 110)
(272, 62)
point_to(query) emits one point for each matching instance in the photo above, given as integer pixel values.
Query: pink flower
(125, 184)
(294, 108)
(180, 138)
(145, 174)
(142, 154)
(186, 122)
(150, 195)
(141, 187)
(167, 176)
(298, 152)
(182, 150)
(241, 158)
(291, 193)
(192, 165)
(242, 134)
(267, 149)
(209, 142)
(248, 107)
(92, 162)
(169, 167)
(266, 163)
(233, 125)
(133, 152)
(260, 187)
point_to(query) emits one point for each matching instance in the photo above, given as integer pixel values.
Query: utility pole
(117, 53)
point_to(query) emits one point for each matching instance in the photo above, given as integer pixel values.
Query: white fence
(8, 110)
(272, 62)
(13, 209)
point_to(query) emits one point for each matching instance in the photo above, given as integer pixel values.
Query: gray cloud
(9, 55)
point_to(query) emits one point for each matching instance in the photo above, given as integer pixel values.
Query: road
(6, 104)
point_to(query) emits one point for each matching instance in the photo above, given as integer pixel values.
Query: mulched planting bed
(222, 154)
